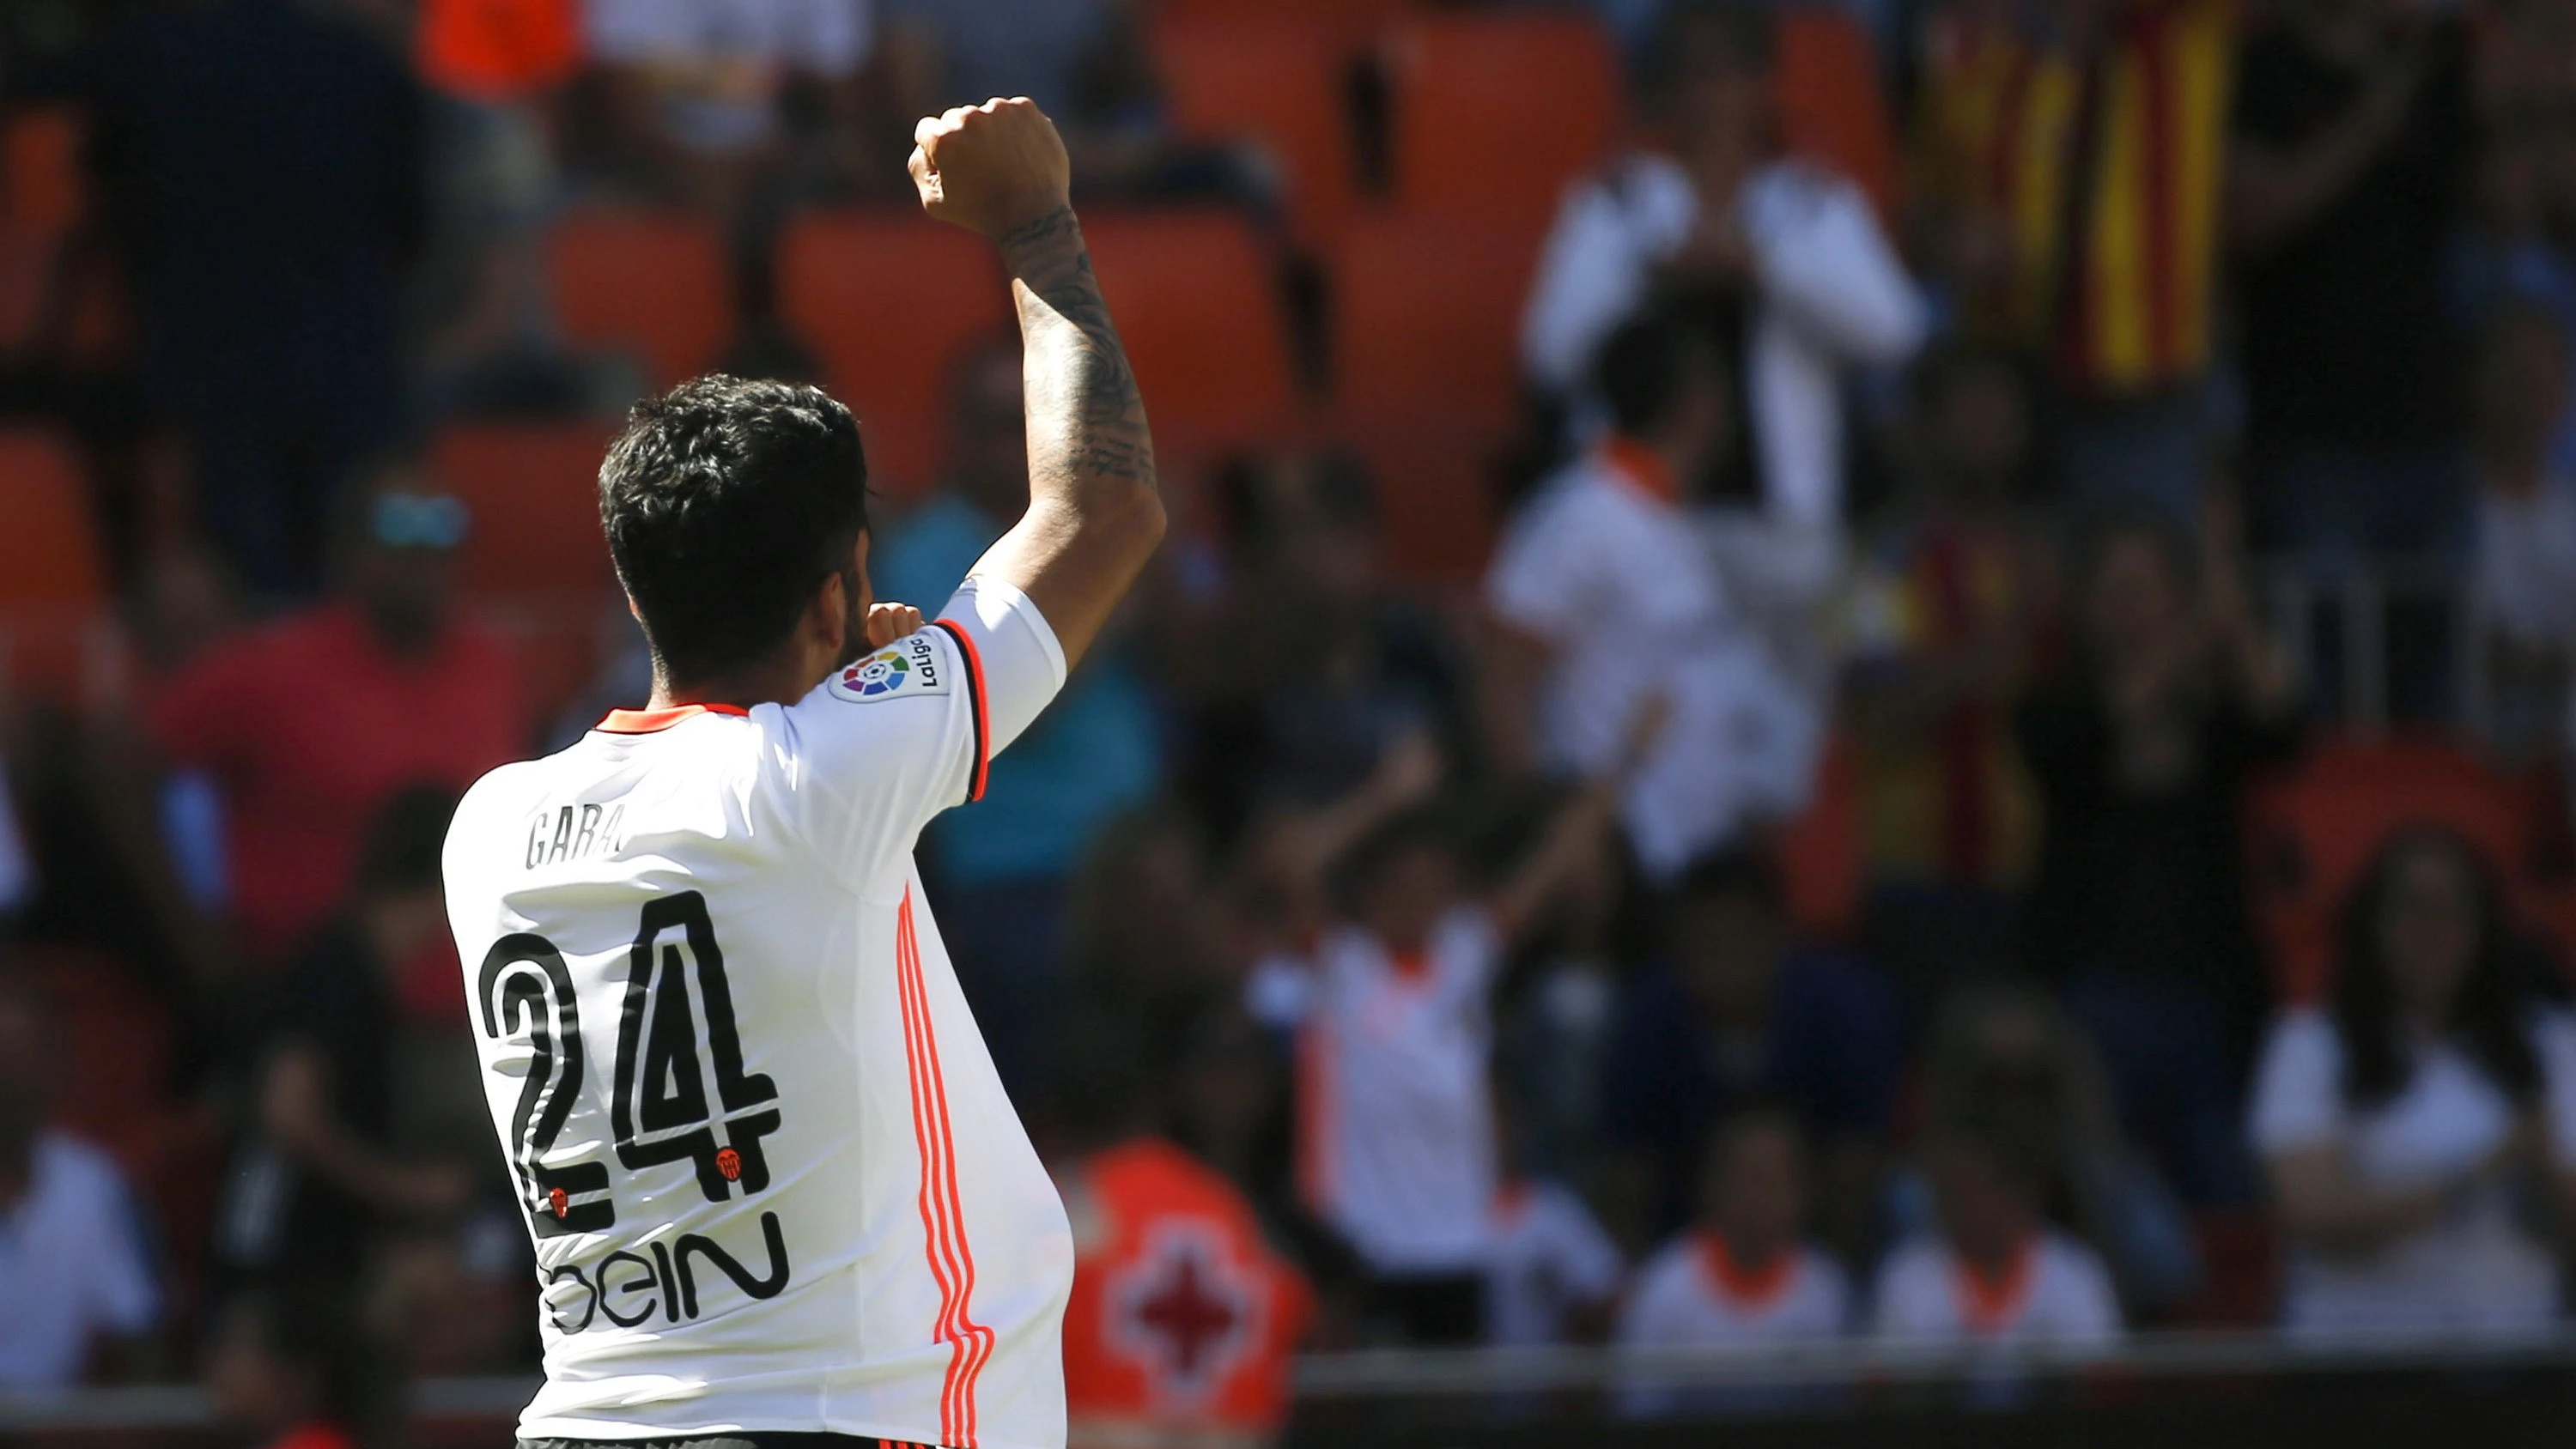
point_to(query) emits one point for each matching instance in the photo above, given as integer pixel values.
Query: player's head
(1666, 387)
(1753, 1185)
(736, 512)
(1729, 928)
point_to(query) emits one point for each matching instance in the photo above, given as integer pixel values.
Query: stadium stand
(652, 285)
(1494, 114)
(889, 303)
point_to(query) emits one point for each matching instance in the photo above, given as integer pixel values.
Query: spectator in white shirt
(2523, 579)
(1995, 1274)
(1395, 1124)
(73, 1272)
(695, 91)
(1745, 1276)
(2403, 1121)
(1604, 603)
(1783, 261)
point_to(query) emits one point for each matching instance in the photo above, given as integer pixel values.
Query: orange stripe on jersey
(983, 718)
(943, 1219)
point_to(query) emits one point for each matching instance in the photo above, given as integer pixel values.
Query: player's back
(772, 1178)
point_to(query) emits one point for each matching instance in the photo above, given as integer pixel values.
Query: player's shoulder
(929, 662)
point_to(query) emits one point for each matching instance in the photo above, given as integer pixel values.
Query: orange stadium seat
(1426, 317)
(1435, 485)
(42, 187)
(535, 565)
(2314, 832)
(1832, 106)
(890, 302)
(53, 581)
(1494, 114)
(1274, 81)
(1197, 299)
(1337, 22)
(655, 285)
(534, 489)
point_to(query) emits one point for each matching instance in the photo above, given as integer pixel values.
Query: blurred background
(1856, 727)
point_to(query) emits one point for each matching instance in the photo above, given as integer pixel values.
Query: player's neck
(777, 683)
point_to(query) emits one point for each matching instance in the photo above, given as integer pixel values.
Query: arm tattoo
(1086, 420)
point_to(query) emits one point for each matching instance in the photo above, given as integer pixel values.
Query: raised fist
(992, 167)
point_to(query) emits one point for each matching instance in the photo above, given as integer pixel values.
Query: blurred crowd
(1982, 760)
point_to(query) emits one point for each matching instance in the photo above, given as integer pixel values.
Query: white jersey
(773, 1181)
(1694, 1293)
(1395, 1116)
(1622, 589)
(2057, 1293)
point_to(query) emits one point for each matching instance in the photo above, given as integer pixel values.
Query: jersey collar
(651, 721)
(1641, 468)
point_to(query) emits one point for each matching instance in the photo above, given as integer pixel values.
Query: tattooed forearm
(1086, 420)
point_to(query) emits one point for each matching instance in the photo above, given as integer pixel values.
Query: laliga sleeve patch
(902, 669)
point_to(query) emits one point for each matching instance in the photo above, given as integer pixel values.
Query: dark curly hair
(727, 502)
(2488, 1015)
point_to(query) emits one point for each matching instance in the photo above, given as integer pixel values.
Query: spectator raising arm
(1094, 515)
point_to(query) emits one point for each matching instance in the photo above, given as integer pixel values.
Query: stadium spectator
(1086, 62)
(318, 1171)
(1182, 1320)
(2404, 1118)
(699, 100)
(294, 1371)
(2076, 217)
(1745, 1274)
(1781, 264)
(1314, 661)
(1002, 870)
(2350, 146)
(1603, 602)
(2003, 1063)
(2523, 577)
(2141, 752)
(74, 1269)
(1551, 1274)
(1948, 602)
(269, 296)
(309, 725)
(1994, 1273)
(1396, 1136)
(1742, 1014)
